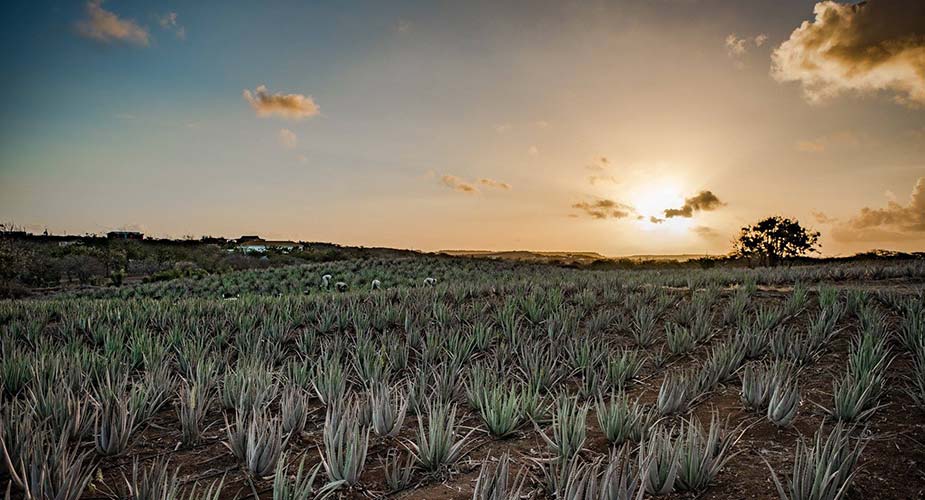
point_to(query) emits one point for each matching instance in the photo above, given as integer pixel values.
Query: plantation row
(411, 272)
(382, 392)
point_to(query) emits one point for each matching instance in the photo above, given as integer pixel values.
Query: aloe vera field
(492, 380)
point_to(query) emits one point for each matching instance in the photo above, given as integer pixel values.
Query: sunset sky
(622, 127)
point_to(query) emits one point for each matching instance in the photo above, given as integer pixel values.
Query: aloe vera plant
(784, 403)
(437, 445)
(345, 443)
(388, 406)
(704, 452)
(501, 410)
(822, 470)
(659, 462)
(494, 481)
(568, 427)
(257, 441)
(621, 420)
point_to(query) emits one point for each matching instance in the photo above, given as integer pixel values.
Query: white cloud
(868, 47)
(169, 22)
(737, 48)
(105, 26)
(288, 138)
(296, 106)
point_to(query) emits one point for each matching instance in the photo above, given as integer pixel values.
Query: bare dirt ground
(891, 467)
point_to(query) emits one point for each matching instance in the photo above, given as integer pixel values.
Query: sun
(652, 199)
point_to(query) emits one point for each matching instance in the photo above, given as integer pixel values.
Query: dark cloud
(655, 220)
(457, 184)
(469, 187)
(495, 184)
(604, 209)
(871, 46)
(702, 201)
(599, 164)
(295, 106)
(895, 221)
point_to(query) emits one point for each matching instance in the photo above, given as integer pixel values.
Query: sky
(619, 127)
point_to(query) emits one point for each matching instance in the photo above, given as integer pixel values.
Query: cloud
(702, 201)
(736, 47)
(894, 221)
(836, 140)
(296, 106)
(599, 164)
(169, 22)
(105, 26)
(823, 218)
(867, 47)
(471, 187)
(594, 179)
(495, 184)
(288, 138)
(604, 209)
(457, 184)
(812, 146)
(705, 231)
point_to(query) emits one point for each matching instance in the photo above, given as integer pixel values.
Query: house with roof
(125, 235)
(254, 244)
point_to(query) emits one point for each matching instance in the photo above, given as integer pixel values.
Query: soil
(892, 465)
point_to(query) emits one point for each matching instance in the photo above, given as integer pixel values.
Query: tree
(775, 238)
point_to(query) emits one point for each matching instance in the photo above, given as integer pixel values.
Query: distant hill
(528, 256)
(567, 257)
(680, 257)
